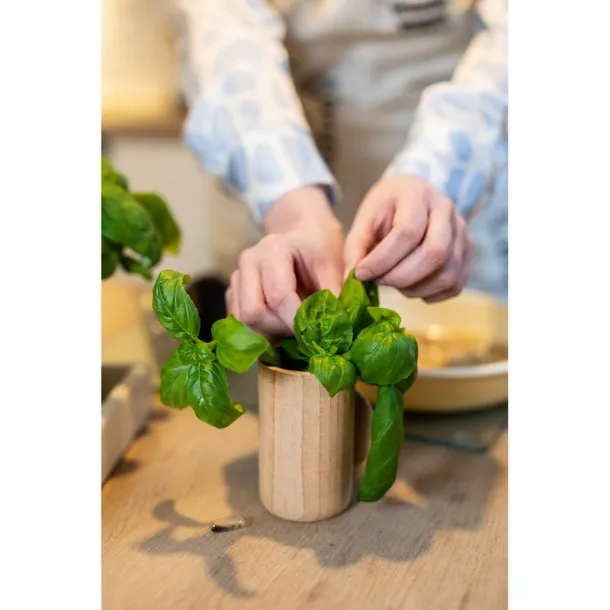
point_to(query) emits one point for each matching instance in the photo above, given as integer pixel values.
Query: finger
(361, 237)
(280, 286)
(442, 296)
(328, 275)
(228, 307)
(467, 260)
(230, 295)
(447, 281)
(251, 301)
(433, 253)
(408, 229)
(464, 276)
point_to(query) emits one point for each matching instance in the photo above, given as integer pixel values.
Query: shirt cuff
(462, 181)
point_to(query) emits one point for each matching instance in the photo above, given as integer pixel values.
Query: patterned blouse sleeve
(246, 124)
(459, 124)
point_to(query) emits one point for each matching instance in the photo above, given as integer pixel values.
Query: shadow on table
(445, 490)
(128, 466)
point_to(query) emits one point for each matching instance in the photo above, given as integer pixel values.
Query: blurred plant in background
(137, 228)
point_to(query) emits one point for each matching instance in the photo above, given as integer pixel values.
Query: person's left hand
(408, 235)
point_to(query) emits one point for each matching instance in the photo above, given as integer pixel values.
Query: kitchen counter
(438, 541)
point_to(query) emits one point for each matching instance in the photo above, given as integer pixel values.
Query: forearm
(246, 123)
(459, 124)
(302, 206)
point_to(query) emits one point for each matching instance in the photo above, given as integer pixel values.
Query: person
(404, 96)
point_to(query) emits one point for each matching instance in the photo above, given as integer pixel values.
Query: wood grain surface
(306, 446)
(438, 541)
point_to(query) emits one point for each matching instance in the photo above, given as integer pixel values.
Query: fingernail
(363, 274)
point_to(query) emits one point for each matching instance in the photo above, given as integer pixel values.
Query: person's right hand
(302, 252)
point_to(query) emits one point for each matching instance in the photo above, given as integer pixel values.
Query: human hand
(300, 254)
(408, 235)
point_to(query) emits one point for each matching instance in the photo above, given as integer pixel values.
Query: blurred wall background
(142, 119)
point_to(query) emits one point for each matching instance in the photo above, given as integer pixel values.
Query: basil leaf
(335, 373)
(175, 372)
(413, 341)
(270, 356)
(355, 301)
(208, 394)
(109, 264)
(237, 347)
(162, 219)
(110, 258)
(174, 308)
(290, 346)
(383, 355)
(404, 385)
(133, 266)
(387, 434)
(292, 364)
(383, 313)
(126, 222)
(192, 377)
(383, 326)
(321, 325)
(372, 290)
(109, 174)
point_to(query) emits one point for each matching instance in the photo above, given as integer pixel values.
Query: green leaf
(109, 264)
(163, 219)
(109, 174)
(174, 308)
(383, 355)
(404, 385)
(335, 373)
(237, 347)
(175, 372)
(321, 325)
(110, 258)
(192, 377)
(126, 222)
(290, 347)
(372, 290)
(383, 313)
(387, 434)
(413, 341)
(270, 356)
(208, 395)
(355, 301)
(133, 266)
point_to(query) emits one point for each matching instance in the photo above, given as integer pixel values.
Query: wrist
(302, 206)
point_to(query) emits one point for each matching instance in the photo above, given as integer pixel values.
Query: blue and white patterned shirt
(247, 126)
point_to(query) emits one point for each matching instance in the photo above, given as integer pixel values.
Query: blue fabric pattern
(246, 124)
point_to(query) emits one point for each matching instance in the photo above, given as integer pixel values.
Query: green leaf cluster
(339, 340)
(136, 227)
(195, 374)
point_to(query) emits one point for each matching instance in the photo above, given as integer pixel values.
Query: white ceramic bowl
(464, 388)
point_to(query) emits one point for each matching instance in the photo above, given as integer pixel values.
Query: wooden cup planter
(312, 447)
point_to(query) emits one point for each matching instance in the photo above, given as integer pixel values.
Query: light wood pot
(311, 446)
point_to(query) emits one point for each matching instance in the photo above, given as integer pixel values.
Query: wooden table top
(438, 541)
